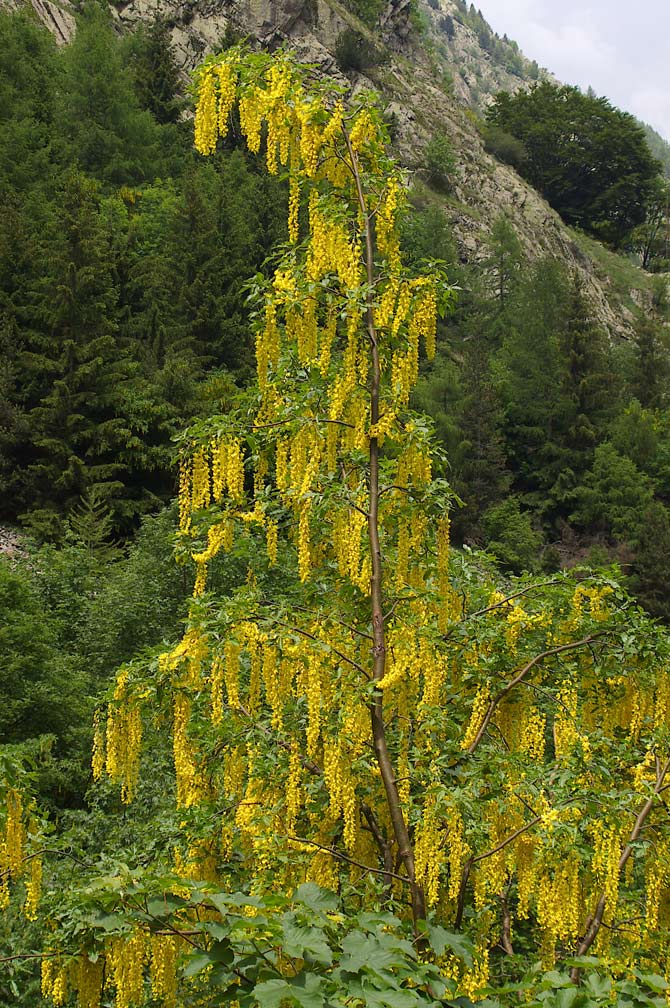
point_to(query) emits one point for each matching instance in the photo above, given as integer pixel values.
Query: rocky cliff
(436, 66)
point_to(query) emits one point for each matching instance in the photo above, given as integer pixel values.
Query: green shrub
(440, 162)
(503, 146)
(354, 52)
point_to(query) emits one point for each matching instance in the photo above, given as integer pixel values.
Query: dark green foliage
(651, 369)
(588, 159)
(510, 535)
(614, 496)
(481, 475)
(440, 162)
(651, 239)
(38, 693)
(119, 292)
(503, 265)
(447, 26)
(157, 82)
(504, 146)
(535, 405)
(353, 51)
(90, 526)
(658, 146)
(367, 10)
(651, 569)
(99, 115)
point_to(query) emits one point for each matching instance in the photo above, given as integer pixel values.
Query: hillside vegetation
(341, 544)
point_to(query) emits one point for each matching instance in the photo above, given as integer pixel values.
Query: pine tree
(78, 373)
(157, 80)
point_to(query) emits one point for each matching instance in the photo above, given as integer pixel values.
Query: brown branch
(595, 920)
(382, 844)
(384, 761)
(29, 955)
(506, 841)
(506, 936)
(331, 618)
(465, 875)
(501, 694)
(313, 637)
(344, 857)
(313, 768)
(509, 598)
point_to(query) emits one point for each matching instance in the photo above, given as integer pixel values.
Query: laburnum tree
(395, 784)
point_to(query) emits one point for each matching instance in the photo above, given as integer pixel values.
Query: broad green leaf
(458, 944)
(302, 942)
(315, 897)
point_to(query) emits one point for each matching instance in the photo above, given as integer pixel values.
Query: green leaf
(597, 985)
(391, 998)
(107, 922)
(363, 951)
(197, 963)
(315, 897)
(224, 901)
(458, 944)
(653, 980)
(571, 997)
(301, 942)
(165, 905)
(276, 993)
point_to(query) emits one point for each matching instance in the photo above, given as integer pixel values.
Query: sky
(618, 47)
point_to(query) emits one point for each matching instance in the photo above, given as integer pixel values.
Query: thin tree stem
(401, 833)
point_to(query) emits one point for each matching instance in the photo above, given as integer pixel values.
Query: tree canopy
(588, 159)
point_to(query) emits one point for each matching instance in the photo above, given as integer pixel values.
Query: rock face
(58, 17)
(435, 72)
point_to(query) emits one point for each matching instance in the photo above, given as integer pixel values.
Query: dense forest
(140, 288)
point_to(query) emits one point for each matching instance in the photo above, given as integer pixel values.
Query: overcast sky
(620, 48)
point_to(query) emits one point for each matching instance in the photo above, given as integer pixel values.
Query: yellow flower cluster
(480, 706)
(567, 734)
(227, 469)
(12, 849)
(126, 958)
(164, 950)
(189, 782)
(387, 237)
(558, 901)
(87, 979)
(18, 859)
(54, 979)
(607, 844)
(123, 738)
(206, 122)
(532, 734)
(349, 529)
(429, 844)
(423, 321)
(294, 792)
(195, 489)
(33, 883)
(657, 880)
(341, 790)
(490, 873)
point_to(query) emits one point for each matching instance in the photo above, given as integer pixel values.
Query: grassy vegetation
(623, 274)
